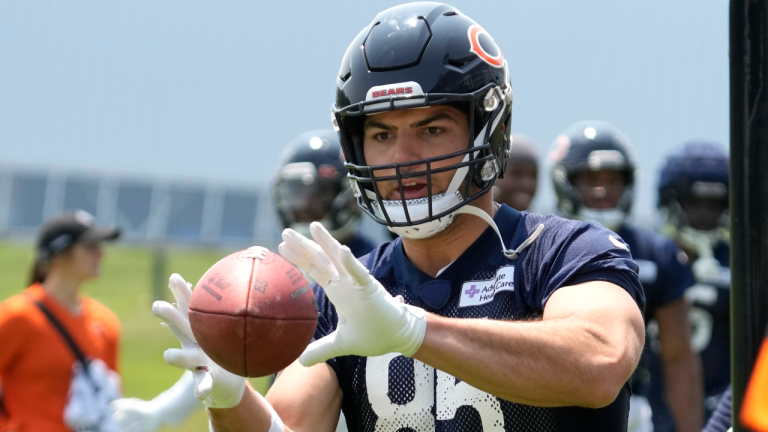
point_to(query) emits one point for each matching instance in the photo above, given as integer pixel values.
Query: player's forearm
(558, 362)
(684, 391)
(250, 415)
(307, 398)
(178, 402)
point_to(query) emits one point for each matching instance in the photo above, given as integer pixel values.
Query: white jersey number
(701, 320)
(417, 414)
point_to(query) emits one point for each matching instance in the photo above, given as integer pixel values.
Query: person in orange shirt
(46, 385)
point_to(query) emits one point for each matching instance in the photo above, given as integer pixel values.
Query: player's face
(308, 213)
(307, 203)
(413, 134)
(704, 213)
(600, 190)
(518, 186)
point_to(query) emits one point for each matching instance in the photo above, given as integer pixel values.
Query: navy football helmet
(697, 170)
(592, 146)
(419, 55)
(310, 185)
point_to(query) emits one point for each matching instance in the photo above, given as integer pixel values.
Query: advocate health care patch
(476, 293)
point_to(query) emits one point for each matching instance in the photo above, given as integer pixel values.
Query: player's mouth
(411, 190)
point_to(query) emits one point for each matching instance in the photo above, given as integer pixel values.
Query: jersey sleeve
(572, 252)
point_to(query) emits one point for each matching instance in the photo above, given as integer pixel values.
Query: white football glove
(214, 386)
(135, 415)
(170, 407)
(371, 321)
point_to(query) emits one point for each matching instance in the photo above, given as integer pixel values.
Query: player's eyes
(382, 136)
(433, 130)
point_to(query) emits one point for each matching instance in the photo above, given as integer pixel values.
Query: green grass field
(126, 287)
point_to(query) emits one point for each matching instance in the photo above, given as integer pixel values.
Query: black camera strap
(67, 338)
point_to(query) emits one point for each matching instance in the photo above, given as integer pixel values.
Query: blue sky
(212, 90)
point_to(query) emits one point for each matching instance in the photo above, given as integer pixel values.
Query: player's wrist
(416, 325)
(236, 417)
(229, 397)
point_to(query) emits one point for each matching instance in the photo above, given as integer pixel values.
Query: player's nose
(407, 148)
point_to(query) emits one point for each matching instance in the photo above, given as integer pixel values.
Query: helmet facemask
(621, 198)
(681, 222)
(489, 114)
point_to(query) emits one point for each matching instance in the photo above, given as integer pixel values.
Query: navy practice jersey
(710, 321)
(359, 244)
(665, 275)
(393, 393)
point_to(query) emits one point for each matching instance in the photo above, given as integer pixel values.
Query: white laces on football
(511, 254)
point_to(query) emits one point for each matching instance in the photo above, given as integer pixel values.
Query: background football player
(311, 185)
(693, 199)
(518, 186)
(594, 177)
(478, 317)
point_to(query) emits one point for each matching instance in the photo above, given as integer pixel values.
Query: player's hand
(214, 386)
(135, 415)
(371, 321)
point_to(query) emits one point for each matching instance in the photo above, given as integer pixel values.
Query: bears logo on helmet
(475, 32)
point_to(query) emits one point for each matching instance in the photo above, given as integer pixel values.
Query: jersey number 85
(418, 413)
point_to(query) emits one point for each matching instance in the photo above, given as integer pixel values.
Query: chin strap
(511, 254)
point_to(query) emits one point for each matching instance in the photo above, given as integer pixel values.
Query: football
(253, 313)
